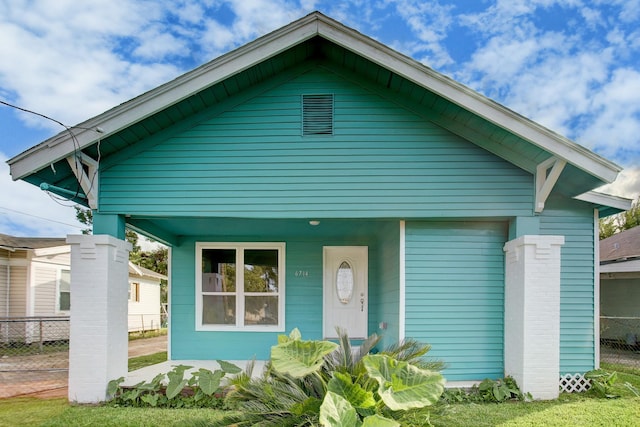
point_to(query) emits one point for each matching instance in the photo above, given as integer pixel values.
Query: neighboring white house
(144, 298)
(35, 282)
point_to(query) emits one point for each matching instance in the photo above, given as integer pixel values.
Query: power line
(42, 218)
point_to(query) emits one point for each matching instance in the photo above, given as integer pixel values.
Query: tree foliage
(623, 221)
(155, 260)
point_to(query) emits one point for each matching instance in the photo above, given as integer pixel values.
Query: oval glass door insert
(344, 282)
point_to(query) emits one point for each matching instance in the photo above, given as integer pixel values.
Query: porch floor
(147, 373)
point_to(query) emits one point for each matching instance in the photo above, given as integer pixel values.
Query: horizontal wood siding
(303, 295)
(3, 289)
(252, 161)
(455, 295)
(18, 292)
(386, 295)
(574, 220)
(45, 282)
(145, 314)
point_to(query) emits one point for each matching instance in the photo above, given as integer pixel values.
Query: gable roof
(621, 246)
(452, 105)
(139, 271)
(25, 243)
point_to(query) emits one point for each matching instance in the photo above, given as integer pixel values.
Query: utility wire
(76, 144)
(40, 217)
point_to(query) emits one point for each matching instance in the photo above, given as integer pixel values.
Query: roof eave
(606, 203)
(114, 120)
(118, 118)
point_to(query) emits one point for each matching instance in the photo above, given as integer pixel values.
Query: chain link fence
(34, 354)
(620, 341)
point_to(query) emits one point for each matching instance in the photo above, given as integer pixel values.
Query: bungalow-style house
(35, 281)
(620, 287)
(316, 178)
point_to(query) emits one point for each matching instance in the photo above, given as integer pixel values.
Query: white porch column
(532, 314)
(98, 332)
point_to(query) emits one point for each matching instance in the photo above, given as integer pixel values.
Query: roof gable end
(251, 54)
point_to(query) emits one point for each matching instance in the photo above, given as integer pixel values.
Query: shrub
(311, 382)
(202, 390)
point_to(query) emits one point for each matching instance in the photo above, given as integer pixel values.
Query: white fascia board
(602, 199)
(158, 99)
(470, 100)
(273, 43)
(55, 250)
(632, 266)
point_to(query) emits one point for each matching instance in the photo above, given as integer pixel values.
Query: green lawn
(569, 410)
(150, 359)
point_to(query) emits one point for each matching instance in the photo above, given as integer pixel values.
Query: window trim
(59, 290)
(134, 291)
(240, 294)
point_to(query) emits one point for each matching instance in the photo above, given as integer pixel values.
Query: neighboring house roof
(621, 246)
(139, 271)
(447, 103)
(24, 243)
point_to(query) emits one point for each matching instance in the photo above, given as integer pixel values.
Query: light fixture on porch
(314, 222)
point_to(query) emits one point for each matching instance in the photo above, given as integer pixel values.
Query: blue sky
(571, 65)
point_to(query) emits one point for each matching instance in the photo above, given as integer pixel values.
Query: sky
(570, 65)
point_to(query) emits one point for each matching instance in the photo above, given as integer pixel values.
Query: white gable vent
(317, 115)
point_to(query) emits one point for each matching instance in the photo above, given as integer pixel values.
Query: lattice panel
(574, 383)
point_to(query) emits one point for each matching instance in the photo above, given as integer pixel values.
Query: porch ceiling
(171, 230)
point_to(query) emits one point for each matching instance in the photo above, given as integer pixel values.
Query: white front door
(345, 290)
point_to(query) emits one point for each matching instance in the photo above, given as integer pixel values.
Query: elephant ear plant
(309, 383)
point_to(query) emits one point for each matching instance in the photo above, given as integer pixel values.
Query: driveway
(53, 384)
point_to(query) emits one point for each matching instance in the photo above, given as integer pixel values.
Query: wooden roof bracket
(547, 174)
(85, 169)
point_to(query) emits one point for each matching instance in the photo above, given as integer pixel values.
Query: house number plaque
(302, 273)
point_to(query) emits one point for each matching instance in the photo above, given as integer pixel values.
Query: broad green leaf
(150, 399)
(358, 397)
(336, 411)
(295, 335)
(113, 386)
(228, 368)
(300, 358)
(402, 385)
(209, 381)
(176, 381)
(379, 421)
(310, 405)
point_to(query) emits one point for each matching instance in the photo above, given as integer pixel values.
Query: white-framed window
(134, 291)
(64, 290)
(240, 286)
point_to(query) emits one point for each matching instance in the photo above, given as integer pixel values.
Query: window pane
(218, 270)
(218, 310)
(261, 270)
(65, 280)
(261, 310)
(65, 301)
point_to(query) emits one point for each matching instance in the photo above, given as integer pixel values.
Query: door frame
(360, 273)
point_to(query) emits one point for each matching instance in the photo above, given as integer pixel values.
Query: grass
(150, 359)
(59, 413)
(147, 334)
(566, 411)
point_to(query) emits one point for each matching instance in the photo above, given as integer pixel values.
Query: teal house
(316, 178)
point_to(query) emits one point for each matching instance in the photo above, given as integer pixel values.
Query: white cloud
(27, 211)
(627, 185)
(65, 59)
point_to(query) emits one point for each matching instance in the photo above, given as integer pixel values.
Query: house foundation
(98, 332)
(532, 314)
